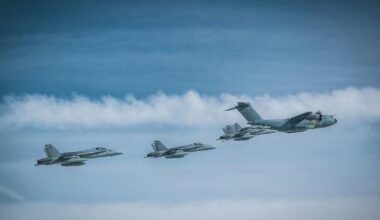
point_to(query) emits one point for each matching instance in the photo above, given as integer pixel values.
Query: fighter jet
(237, 133)
(299, 123)
(159, 150)
(77, 158)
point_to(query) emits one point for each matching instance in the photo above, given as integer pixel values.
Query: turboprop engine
(315, 116)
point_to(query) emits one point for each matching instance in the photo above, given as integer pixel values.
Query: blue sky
(122, 74)
(93, 48)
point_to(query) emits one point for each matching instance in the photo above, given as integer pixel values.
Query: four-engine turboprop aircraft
(176, 152)
(77, 158)
(302, 122)
(238, 133)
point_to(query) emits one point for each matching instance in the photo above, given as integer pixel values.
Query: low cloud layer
(218, 209)
(190, 109)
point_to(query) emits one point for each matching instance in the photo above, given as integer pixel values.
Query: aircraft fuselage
(280, 124)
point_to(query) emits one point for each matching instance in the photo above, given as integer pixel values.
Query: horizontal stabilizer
(241, 105)
(237, 127)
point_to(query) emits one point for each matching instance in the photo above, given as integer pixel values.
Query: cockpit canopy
(197, 144)
(100, 148)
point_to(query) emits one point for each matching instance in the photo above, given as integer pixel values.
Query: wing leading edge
(292, 122)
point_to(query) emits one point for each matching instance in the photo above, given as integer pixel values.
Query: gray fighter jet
(176, 152)
(77, 158)
(302, 122)
(237, 133)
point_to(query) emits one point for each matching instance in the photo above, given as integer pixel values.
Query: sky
(122, 74)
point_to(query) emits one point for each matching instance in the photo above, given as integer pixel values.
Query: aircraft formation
(257, 126)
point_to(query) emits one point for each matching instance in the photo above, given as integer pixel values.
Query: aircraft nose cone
(118, 153)
(211, 148)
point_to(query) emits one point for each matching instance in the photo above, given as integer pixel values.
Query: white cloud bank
(189, 109)
(348, 209)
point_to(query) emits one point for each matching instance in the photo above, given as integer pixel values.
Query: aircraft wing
(292, 122)
(246, 129)
(84, 153)
(237, 135)
(73, 161)
(175, 153)
(68, 155)
(255, 131)
(172, 151)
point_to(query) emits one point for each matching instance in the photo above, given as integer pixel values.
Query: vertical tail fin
(232, 129)
(51, 151)
(247, 111)
(225, 131)
(158, 146)
(237, 127)
(229, 129)
(154, 147)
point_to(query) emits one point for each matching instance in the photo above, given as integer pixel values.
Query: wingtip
(229, 109)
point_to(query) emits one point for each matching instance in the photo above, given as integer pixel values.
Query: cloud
(187, 110)
(10, 193)
(217, 209)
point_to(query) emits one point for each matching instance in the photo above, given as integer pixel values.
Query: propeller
(319, 113)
